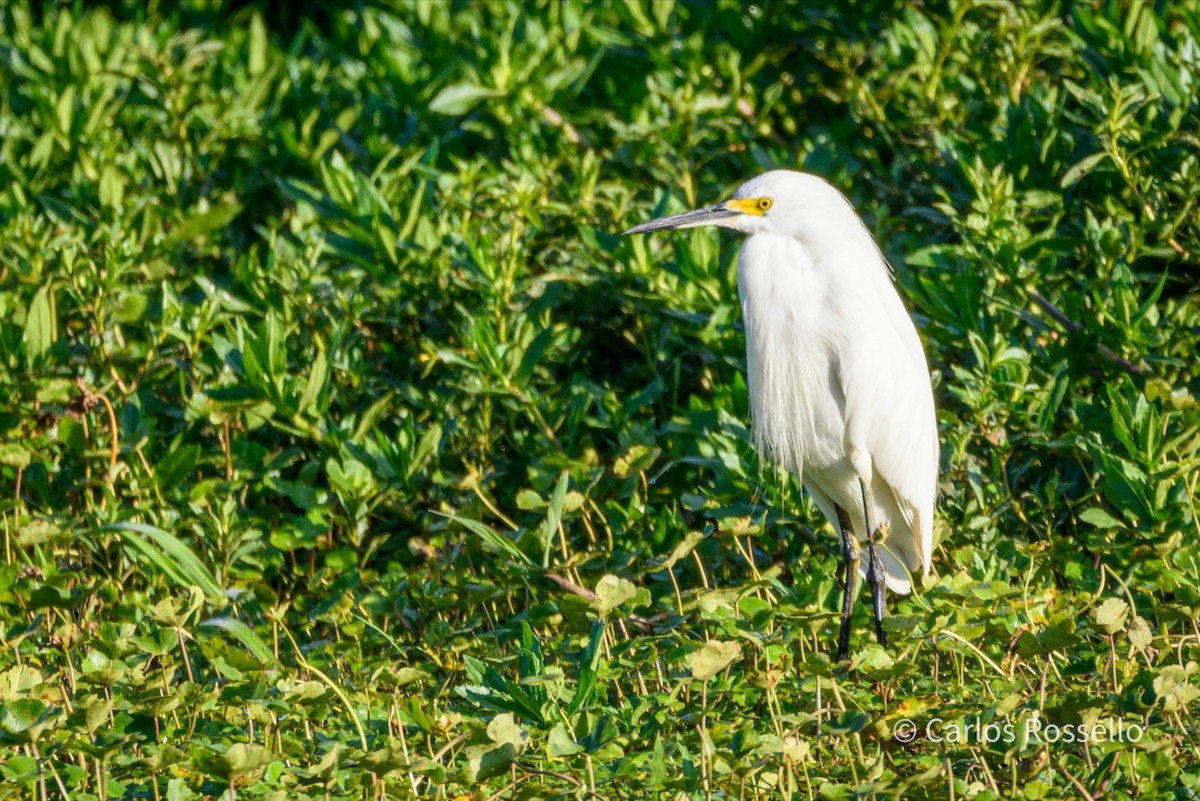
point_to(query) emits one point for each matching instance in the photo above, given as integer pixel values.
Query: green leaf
(712, 600)
(240, 759)
(1082, 168)
(713, 657)
(504, 729)
(14, 455)
(37, 531)
(458, 98)
(1099, 518)
(174, 468)
(19, 769)
(112, 187)
(1139, 634)
(561, 744)
(39, 326)
(427, 446)
(256, 60)
(658, 765)
(318, 374)
(408, 675)
(611, 592)
(527, 499)
(65, 108)
(1172, 688)
(486, 761)
(19, 680)
(24, 721)
(177, 790)
(175, 612)
(553, 517)
(533, 355)
(873, 660)
(682, 549)
(1111, 615)
(849, 722)
(589, 664)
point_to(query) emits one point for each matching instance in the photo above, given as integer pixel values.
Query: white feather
(839, 384)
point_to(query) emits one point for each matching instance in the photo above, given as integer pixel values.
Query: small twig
(112, 428)
(503, 791)
(1074, 328)
(975, 649)
(442, 751)
(332, 685)
(1078, 784)
(572, 587)
(586, 792)
(85, 403)
(492, 508)
(553, 773)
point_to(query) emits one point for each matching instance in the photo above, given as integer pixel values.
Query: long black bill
(710, 215)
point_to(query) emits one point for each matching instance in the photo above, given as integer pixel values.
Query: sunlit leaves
(712, 658)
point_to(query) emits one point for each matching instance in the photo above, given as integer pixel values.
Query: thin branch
(1078, 784)
(572, 587)
(1074, 328)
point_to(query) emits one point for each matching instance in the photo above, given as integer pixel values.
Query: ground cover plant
(346, 451)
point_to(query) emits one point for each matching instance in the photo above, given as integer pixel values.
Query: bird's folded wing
(889, 398)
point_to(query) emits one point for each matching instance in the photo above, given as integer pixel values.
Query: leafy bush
(350, 452)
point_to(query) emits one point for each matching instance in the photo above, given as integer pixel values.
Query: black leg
(876, 574)
(850, 556)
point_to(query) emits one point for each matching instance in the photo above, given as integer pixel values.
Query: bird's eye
(764, 203)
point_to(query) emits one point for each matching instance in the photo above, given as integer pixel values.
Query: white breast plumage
(797, 411)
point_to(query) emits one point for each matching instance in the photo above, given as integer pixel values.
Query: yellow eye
(764, 203)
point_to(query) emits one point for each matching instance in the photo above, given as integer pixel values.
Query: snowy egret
(839, 386)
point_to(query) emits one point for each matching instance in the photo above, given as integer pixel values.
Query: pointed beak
(710, 215)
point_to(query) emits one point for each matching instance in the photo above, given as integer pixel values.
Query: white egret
(839, 386)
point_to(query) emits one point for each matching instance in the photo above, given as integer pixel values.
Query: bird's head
(781, 202)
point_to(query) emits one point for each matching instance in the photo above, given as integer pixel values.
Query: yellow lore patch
(755, 206)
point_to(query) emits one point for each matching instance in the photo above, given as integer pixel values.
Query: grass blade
(170, 554)
(245, 635)
(491, 537)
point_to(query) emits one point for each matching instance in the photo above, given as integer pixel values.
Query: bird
(839, 384)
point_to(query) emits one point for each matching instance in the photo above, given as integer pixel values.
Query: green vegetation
(347, 451)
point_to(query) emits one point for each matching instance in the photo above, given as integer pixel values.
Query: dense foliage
(347, 452)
